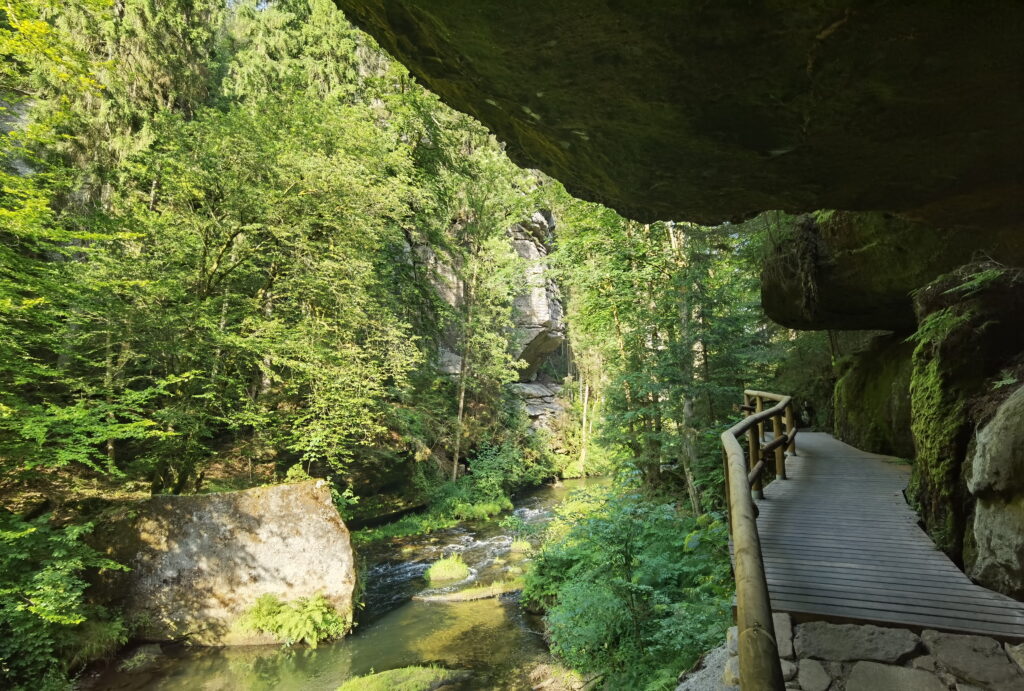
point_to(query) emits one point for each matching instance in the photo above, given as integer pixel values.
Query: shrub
(447, 569)
(634, 589)
(46, 626)
(306, 620)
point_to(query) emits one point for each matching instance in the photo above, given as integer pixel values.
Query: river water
(493, 638)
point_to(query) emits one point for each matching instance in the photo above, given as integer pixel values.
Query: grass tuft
(448, 569)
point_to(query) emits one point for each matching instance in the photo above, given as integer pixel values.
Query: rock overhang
(711, 111)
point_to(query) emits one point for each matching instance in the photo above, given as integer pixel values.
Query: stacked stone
(853, 657)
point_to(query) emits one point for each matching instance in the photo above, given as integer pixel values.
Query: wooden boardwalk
(839, 542)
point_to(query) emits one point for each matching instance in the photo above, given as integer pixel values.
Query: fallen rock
(974, 659)
(812, 676)
(847, 642)
(788, 670)
(199, 562)
(872, 676)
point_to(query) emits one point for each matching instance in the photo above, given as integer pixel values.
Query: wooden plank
(887, 617)
(885, 581)
(839, 541)
(903, 601)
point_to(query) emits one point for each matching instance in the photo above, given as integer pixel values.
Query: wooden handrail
(759, 655)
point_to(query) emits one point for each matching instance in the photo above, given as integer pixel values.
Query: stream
(494, 638)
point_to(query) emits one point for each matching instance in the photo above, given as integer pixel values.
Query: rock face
(997, 480)
(969, 330)
(541, 401)
(671, 110)
(199, 562)
(539, 325)
(538, 316)
(872, 399)
(844, 270)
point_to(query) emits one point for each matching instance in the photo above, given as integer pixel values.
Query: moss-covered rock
(704, 111)
(846, 270)
(968, 329)
(872, 398)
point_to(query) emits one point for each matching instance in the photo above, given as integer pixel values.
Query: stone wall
(821, 656)
(199, 562)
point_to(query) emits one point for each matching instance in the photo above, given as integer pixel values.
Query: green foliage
(403, 679)
(521, 546)
(43, 611)
(450, 568)
(306, 620)
(634, 589)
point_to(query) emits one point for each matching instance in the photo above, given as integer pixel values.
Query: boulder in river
(199, 562)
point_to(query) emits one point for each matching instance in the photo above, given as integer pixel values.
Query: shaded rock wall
(199, 562)
(872, 399)
(703, 111)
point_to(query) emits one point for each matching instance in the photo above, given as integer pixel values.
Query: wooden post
(728, 495)
(780, 453)
(791, 429)
(760, 669)
(754, 447)
(759, 407)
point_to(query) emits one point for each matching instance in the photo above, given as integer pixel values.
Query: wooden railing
(744, 481)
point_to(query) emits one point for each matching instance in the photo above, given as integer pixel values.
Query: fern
(307, 620)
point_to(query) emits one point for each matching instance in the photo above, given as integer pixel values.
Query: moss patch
(476, 593)
(404, 679)
(872, 399)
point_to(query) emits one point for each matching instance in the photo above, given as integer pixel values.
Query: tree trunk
(464, 365)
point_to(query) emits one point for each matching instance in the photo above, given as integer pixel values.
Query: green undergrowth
(48, 627)
(634, 588)
(494, 473)
(308, 620)
(404, 679)
(451, 568)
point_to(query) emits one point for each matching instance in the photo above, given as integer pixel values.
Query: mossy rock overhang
(707, 111)
(857, 270)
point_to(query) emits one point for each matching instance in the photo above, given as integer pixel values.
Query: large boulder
(199, 562)
(703, 111)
